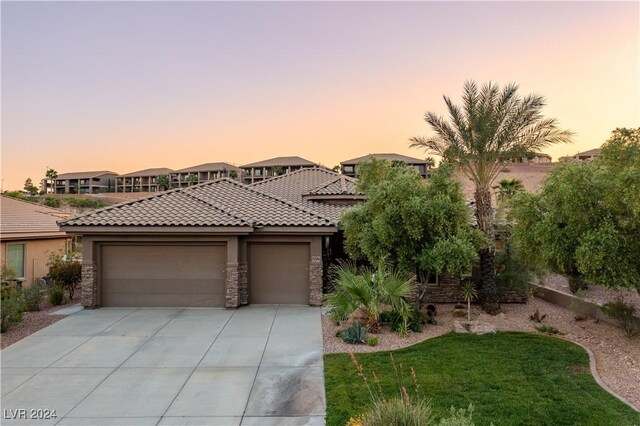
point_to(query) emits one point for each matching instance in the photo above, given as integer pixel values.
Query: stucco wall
(36, 255)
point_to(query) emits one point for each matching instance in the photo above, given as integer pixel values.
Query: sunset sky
(126, 86)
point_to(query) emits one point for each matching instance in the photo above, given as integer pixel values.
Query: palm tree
(51, 175)
(191, 179)
(492, 127)
(507, 188)
(163, 182)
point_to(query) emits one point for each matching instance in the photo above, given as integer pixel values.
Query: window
(257, 172)
(348, 169)
(15, 259)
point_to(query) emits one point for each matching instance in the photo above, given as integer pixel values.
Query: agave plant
(368, 289)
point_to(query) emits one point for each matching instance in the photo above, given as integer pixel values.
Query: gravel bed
(32, 322)
(595, 293)
(617, 357)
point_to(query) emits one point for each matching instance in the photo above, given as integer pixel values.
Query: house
(255, 172)
(85, 182)
(220, 243)
(203, 173)
(536, 158)
(589, 155)
(348, 167)
(29, 233)
(142, 180)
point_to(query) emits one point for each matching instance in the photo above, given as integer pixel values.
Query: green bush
(355, 334)
(66, 274)
(372, 341)
(86, 204)
(395, 320)
(52, 202)
(547, 329)
(460, 417)
(11, 310)
(624, 313)
(56, 295)
(32, 297)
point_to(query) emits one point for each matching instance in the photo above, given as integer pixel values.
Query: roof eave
(106, 229)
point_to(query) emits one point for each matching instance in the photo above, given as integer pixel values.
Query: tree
(507, 188)
(191, 179)
(30, 187)
(585, 221)
(163, 182)
(492, 127)
(65, 272)
(51, 176)
(277, 170)
(411, 223)
(233, 174)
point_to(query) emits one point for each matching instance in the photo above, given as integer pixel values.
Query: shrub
(7, 273)
(11, 310)
(460, 417)
(32, 297)
(536, 317)
(86, 204)
(398, 411)
(52, 202)
(547, 329)
(367, 289)
(372, 341)
(356, 333)
(395, 320)
(56, 295)
(624, 313)
(65, 272)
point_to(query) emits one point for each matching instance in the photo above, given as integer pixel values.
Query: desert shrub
(372, 341)
(12, 309)
(396, 322)
(65, 272)
(86, 204)
(459, 417)
(56, 295)
(356, 333)
(32, 297)
(536, 317)
(52, 202)
(547, 329)
(398, 411)
(624, 313)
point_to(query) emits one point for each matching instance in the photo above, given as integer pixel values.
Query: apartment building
(143, 180)
(265, 169)
(203, 173)
(348, 167)
(85, 182)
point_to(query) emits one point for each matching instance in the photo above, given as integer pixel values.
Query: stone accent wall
(89, 291)
(449, 288)
(315, 281)
(232, 294)
(243, 283)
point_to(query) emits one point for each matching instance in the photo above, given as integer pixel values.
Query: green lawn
(510, 378)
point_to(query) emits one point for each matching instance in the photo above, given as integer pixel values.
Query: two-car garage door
(182, 275)
(163, 275)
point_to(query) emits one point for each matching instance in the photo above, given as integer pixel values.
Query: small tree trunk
(469, 310)
(489, 297)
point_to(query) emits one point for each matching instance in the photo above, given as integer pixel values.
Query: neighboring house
(203, 172)
(537, 158)
(220, 243)
(29, 233)
(85, 182)
(255, 172)
(142, 180)
(348, 167)
(590, 155)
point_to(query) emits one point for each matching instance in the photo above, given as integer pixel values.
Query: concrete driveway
(258, 365)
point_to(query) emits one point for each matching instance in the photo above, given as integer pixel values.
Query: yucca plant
(469, 293)
(369, 290)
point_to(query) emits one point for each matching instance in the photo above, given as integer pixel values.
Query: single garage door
(163, 275)
(279, 273)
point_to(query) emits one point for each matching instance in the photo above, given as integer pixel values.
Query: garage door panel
(279, 273)
(163, 275)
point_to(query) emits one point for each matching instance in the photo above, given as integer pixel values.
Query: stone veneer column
(89, 285)
(243, 283)
(315, 281)
(232, 286)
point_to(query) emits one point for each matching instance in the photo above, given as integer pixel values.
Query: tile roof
(295, 185)
(159, 171)
(594, 151)
(223, 202)
(84, 175)
(208, 167)
(340, 185)
(387, 156)
(25, 217)
(281, 161)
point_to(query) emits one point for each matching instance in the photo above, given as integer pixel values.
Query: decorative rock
(473, 327)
